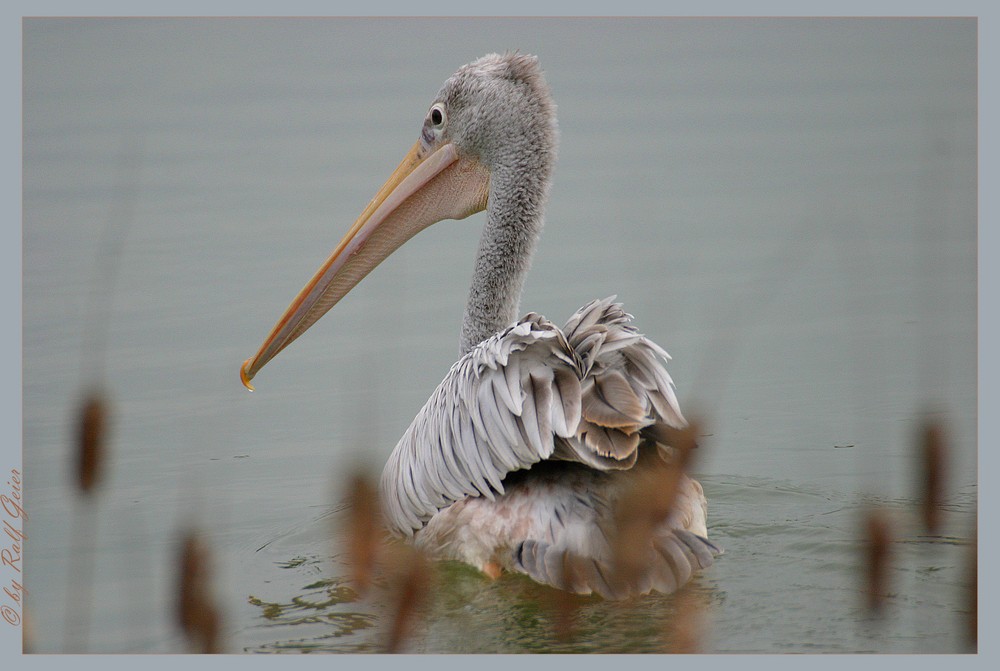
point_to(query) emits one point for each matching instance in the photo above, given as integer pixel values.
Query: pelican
(521, 457)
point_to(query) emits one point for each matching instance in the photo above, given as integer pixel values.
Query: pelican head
(488, 142)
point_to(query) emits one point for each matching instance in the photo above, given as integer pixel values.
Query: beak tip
(245, 376)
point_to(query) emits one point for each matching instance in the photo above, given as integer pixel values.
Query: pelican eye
(437, 115)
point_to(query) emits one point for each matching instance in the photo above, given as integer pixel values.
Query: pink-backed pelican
(520, 456)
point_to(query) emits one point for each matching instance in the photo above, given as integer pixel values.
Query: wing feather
(478, 456)
(512, 376)
(565, 402)
(529, 419)
(530, 393)
(541, 386)
(618, 394)
(465, 449)
(491, 415)
(489, 429)
(505, 393)
(459, 479)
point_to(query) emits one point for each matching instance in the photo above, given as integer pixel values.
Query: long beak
(427, 187)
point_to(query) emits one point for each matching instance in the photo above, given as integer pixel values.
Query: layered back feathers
(530, 393)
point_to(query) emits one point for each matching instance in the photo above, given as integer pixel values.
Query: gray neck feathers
(504, 258)
(517, 141)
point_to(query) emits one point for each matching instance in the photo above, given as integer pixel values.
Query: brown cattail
(684, 631)
(877, 539)
(196, 614)
(564, 602)
(933, 469)
(90, 456)
(648, 503)
(411, 578)
(363, 531)
(972, 597)
(27, 636)
(91, 429)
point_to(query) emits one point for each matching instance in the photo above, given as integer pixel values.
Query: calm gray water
(787, 206)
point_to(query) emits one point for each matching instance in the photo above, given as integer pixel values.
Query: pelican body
(524, 457)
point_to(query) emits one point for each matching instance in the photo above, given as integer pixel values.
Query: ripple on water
(790, 581)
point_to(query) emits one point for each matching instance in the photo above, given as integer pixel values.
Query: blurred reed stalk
(406, 569)
(90, 457)
(91, 433)
(876, 559)
(933, 462)
(93, 414)
(685, 629)
(648, 503)
(564, 604)
(27, 636)
(410, 578)
(972, 597)
(196, 612)
(364, 533)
